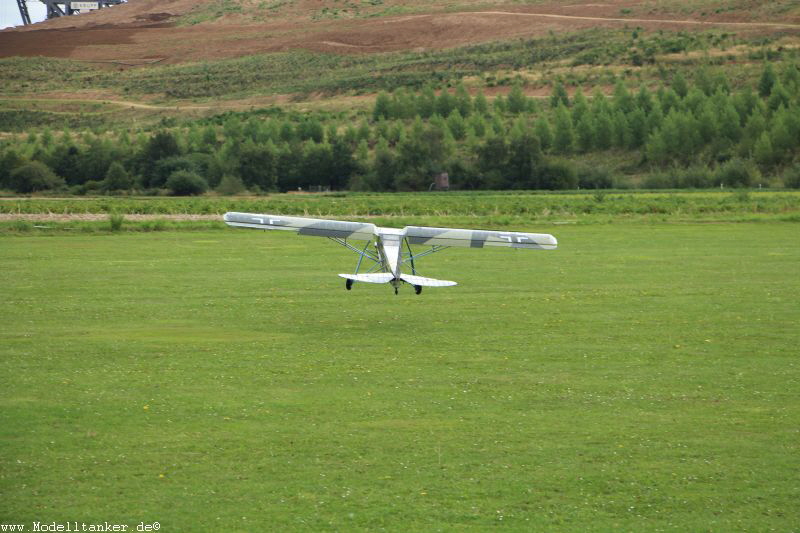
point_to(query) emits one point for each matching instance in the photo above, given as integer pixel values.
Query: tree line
(687, 133)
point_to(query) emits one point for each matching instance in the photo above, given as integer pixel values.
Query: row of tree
(514, 142)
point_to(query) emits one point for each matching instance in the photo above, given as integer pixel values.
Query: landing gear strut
(348, 284)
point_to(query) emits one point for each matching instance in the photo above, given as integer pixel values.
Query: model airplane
(389, 249)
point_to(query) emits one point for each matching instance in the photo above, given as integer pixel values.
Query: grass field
(496, 208)
(643, 377)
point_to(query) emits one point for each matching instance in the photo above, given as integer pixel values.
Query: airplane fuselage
(389, 243)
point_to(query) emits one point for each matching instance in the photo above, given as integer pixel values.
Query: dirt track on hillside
(142, 30)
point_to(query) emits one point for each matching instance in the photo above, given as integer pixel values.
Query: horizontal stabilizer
(376, 277)
(426, 282)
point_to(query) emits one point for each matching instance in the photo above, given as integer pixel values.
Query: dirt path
(437, 30)
(137, 105)
(644, 21)
(175, 107)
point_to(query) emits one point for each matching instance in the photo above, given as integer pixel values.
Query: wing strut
(361, 256)
(410, 257)
(363, 253)
(433, 249)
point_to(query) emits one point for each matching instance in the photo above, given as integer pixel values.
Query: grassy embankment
(641, 377)
(518, 209)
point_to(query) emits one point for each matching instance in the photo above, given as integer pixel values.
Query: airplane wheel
(418, 288)
(395, 291)
(348, 284)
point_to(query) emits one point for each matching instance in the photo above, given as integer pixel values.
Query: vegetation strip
(679, 136)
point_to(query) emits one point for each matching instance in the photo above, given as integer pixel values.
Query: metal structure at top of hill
(23, 12)
(61, 8)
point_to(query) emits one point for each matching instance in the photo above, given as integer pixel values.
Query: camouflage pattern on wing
(479, 238)
(303, 226)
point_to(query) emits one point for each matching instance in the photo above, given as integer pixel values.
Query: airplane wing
(469, 238)
(303, 226)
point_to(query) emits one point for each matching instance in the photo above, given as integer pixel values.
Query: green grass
(501, 208)
(642, 377)
(210, 11)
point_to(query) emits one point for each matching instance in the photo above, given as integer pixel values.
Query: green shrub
(736, 173)
(163, 168)
(34, 176)
(791, 177)
(558, 175)
(117, 178)
(590, 177)
(695, 178)
(9, 161)
(667, 179)
(87, 187)
(230, 185)
(115, 221)
(154, 225)
(22, 226)
(185, 183)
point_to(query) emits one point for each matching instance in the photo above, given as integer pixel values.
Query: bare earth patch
(145, 30)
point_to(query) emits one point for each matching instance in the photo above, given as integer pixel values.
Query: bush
(164, 168)
(594, 178)
(22, 226)
(117, 178)
(674, 178)
(736, 173)
(87, 187)
(662, 180)
(185, 183)
(115, 221)
(230, 185)
(791, 178)
(695, 178)
(34, 176)
(557, 175)
(9, 161)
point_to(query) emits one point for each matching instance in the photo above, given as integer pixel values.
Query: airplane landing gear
(395, 291)
(417, 289)
(348, 284)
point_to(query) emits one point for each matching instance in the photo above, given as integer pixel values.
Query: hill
(193, 30)
(652, 92)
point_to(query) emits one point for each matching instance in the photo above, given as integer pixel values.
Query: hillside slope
(176, 31)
